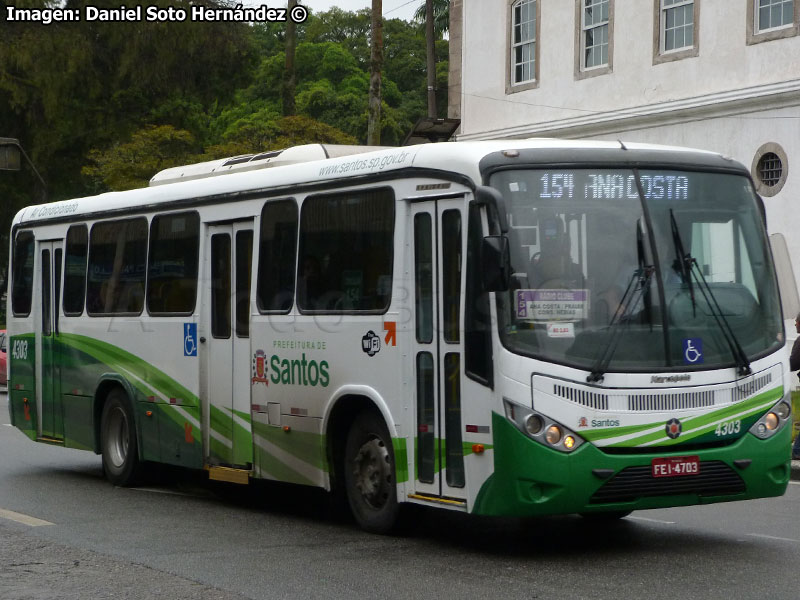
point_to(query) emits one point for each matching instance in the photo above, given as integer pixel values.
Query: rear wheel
(369, 475)
(118, 440)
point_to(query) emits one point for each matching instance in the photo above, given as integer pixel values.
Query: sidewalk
(796, 470)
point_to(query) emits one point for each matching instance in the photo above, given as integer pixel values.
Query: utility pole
(431, 58)
(376, 66)
(289, 72)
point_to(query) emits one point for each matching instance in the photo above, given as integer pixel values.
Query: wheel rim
(117, 440)
(373, 473)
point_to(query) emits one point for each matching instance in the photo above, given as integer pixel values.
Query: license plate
(676, 466)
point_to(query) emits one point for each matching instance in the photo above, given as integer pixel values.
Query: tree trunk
(431, 56)
(289, 79)
(376, 65)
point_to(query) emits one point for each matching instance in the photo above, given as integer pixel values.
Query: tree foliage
(103, 106)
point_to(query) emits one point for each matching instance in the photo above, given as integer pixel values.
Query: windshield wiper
(690, 268)
(633, 294)
(683, 260)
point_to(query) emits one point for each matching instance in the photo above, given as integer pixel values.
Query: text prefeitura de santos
(45, 16)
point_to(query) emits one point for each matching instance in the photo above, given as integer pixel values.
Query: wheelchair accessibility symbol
(190, 339)
(693, 351)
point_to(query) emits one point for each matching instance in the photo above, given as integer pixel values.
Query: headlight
(541, 428)
(775, 419)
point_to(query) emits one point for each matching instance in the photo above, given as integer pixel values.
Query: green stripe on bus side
(115, 356)
(400, 459)
(305, 446)
(144, 377)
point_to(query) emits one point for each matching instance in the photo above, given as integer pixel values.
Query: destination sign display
(588, 185)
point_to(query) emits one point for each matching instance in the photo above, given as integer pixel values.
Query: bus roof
(460, 158)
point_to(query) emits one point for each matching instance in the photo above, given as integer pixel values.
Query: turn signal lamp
(569, 442)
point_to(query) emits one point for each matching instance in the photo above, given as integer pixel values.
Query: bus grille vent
(751, 387)
(583, 397)
(715, 479)
(666, 402)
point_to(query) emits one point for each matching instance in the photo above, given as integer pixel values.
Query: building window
(769, 169)
(772, 14)
(523, 56)
(677, 17)
(594, 33)
(523, 47)
(675, 30)
(771, 20)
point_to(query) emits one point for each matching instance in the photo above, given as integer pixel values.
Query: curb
(795, 470)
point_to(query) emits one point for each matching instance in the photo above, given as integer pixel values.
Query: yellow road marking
(24, 519)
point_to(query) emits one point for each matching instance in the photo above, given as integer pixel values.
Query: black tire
(369, 474)
(118, 440)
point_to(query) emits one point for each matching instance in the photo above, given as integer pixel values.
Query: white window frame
(756, 36)
(665, 8)
(531, 43)
(512, 84)
(757, 29)
(597, 25)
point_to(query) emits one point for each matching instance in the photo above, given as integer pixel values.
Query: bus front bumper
(530, 479)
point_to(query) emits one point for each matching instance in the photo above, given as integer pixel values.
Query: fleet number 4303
(728, 428)
(19, 350)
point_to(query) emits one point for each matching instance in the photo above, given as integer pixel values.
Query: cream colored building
(722, 75)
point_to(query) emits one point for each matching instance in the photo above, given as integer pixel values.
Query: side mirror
(495, 263)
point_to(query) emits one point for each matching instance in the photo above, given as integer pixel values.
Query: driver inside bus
(553, 265)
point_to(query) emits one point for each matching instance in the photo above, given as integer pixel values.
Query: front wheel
(369, 476)
(118, 440)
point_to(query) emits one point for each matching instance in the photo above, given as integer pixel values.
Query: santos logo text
(299, 372)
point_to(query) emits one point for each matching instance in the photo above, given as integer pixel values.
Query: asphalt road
(180, 537)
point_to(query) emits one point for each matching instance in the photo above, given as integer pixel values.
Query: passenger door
(438, 259)
(229, 253)
(48, 369)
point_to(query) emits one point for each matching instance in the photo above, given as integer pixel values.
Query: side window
(75, 270)
(477, 318)
(277, 256)
(244, 266)
(346, 251)
(117, 265)
(172, 264)
(22, 274)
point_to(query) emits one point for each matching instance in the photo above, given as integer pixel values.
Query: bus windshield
(654, 261)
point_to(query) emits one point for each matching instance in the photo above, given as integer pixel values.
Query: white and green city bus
(499, 328)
